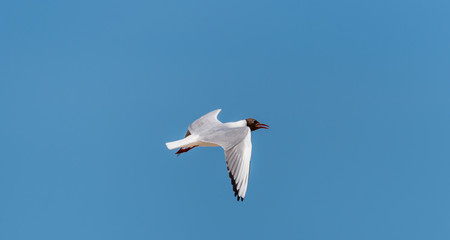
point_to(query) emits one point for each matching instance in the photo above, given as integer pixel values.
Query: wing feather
(238, 165)
(205, 122)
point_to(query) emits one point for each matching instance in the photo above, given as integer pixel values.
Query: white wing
(238, 150)
(238, 165)
(205, 122)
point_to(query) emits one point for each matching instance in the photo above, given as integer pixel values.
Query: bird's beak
(261, 125)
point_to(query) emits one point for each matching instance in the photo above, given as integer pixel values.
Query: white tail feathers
(189, 141)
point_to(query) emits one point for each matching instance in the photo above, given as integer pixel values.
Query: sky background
(357, 95)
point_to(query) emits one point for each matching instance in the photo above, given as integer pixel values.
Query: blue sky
(356, 94)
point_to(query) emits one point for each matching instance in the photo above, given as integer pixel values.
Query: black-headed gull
(233, 137)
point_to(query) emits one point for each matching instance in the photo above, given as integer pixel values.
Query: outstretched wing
(238, 150)
(238, 165)
(205, 122)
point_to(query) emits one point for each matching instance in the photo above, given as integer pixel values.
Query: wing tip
(217, 111)
(235, 190)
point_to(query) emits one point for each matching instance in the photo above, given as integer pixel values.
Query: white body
(233, 137)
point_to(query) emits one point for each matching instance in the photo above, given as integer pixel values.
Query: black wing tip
(233, 182)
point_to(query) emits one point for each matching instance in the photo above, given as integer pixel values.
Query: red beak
(261, 125)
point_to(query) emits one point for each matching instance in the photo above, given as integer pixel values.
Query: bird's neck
(240, 123)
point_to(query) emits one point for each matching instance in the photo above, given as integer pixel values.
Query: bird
(233, 137)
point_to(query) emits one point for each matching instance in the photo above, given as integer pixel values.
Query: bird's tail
(189, 141)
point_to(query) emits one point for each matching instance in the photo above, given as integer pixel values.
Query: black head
(253, 124)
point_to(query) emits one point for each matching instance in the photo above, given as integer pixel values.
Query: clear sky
(357, 95)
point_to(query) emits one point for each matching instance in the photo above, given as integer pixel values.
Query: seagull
(233, 137)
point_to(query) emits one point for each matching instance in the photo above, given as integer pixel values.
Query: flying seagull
(233, 137)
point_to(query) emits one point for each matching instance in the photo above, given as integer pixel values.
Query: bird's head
(253, 124)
